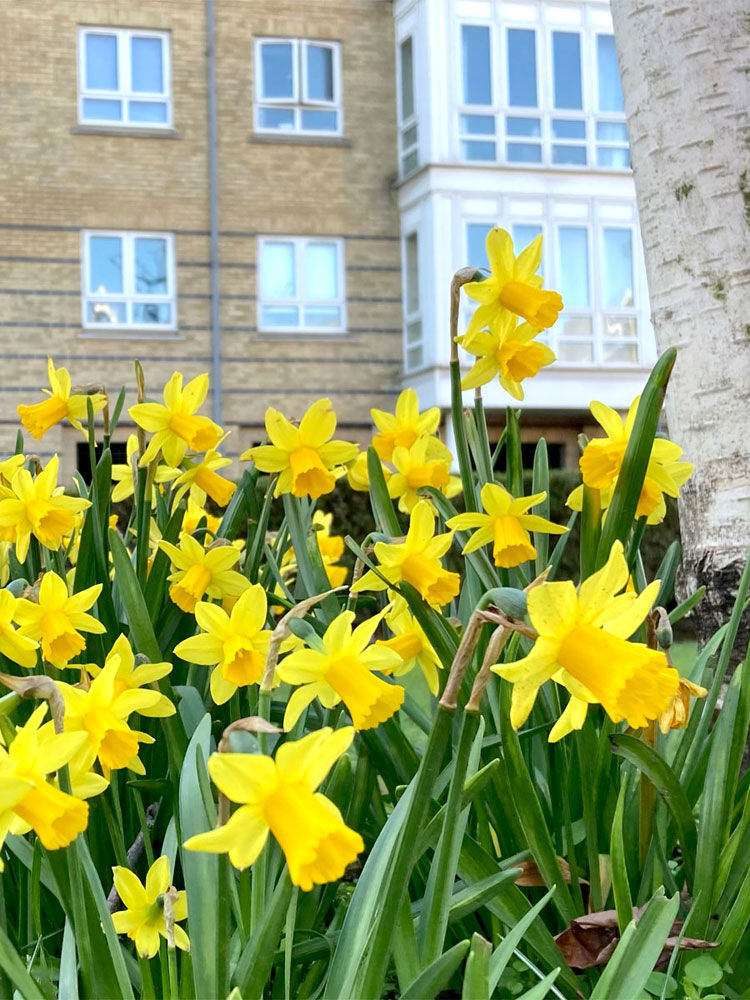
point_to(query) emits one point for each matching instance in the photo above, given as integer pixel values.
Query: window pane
(410, 162)
(620, 353)
(618, 267)
(574, 326)
(477, 150)
(478, 124)
(574, 265)
(101, 62)
(320, 121)
(105, 265)
(151, 266)
(283, 316)
(414, 358)
(575, 352)
(105, 312)
(102, 111)
(321, 278)
(476, 73)
(610, 91)
(621, 326)
(522, 68)
(147, 71)
(319, 73)
(277, 271)
(608, 157)
(572, 155)
(407, 79)
(317, 316)
(524, 152)
(281, 118)
(566, 54)
(563, 128)
(612, 131)
(152, 312)
(412, 273)
(147, 111)
(409, 137)
(531, 127)
(476, 235)
(276, 69)
(414, 332)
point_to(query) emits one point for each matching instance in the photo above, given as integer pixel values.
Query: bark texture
(685, 70)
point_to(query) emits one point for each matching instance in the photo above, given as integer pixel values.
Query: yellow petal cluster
(404, 426)
(129, 677)
(58, 619)
(203, 480)
(60, 405)
(202, 572)
(506, 351)
(411, 643)
(122, 474)
(144, 916)
(176, 425)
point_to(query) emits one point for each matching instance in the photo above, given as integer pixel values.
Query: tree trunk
(685, 70)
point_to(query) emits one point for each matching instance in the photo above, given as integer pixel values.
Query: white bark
(685, 70)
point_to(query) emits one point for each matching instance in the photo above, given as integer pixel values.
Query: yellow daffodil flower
(194, 514)
(339, 668)
(175, 425)
(357, 475)
(677, 713)
(506, 525)
(423, 464)
(305, 456)
(9, 467)
(27, 799)
(513, 286)
(601, 462)
(415, 560)
(202, 479)
(129, 677)
(582, 644)
(58, 619)
(202, 572)
(278, 796)
(508, 352)
(123, 474)
(331, 548)
(402, 428)
(38, 419)
(143, 919)
(4, 563)
(17, 647)
(37, 507)
(411, 643)
(235, 644)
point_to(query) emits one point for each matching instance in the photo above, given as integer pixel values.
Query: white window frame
(129, 297)
(300, 301)
(417, 315)
(125, 93)
(408, 145)
(299, 101)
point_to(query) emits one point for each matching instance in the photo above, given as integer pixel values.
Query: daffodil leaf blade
(382, 506)
(436, 977)
(476, 985)
(620, 884)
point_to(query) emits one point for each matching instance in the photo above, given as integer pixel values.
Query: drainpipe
(213, 201)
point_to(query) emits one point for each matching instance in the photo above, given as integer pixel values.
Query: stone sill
(127, 131)
(267, 138)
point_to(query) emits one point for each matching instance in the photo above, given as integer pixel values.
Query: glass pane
(320, 121)
(524, 152)
(574, 326)
(575, 352)
(412, 273)
(621, 326)
(281, 118)
(410, 162)
(478, 124)
(476, 73)
(573, 267)
(316, 316)
(321, 278)
(105, 312)
(476, 236)
(618, 267)
(475, 150)
(522, 68)
(147, 111)
(613, 157)
(407, 79)
(319, 73)
(276, 69)
(523, 126)
(102, 111)
(101, 62)
(414, 333)
(566, 54)
(610, 91)
(409, 137)
(151, 266)
(277, 271)
(146, 69)
(620, 353)
(612, 131)
(283, 316)
(572, 155)
(152, 312)
(563, 128)
(105, 265)
(414, 358)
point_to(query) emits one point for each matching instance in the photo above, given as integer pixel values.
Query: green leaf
(254, 966)
(68, 984)
(504, 951)
(734, 926)
(438, 630)
(620, 884)
(385, 516)
(514, 468)
(703, 971)
(661, 985)
(15, 970)
(667, 572)
(540, 484)
(437, 976)
(231, 522)
(156, 584)
(542, 988)
(477, 975)
(133, 602)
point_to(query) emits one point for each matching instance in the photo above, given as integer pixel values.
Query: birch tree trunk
(685, 67)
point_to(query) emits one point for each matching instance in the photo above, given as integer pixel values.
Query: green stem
(174, 986)
(147, 981)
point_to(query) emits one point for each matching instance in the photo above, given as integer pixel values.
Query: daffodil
(513, 286)
(202, 572)
(176, 426)
(506, 351)
(17, 647)
(677, 713)
(9, 467)
(357, 474)
(235, 644)
(602, 458)
(123, 474)
(423, 464)
(194, 514)
(202, 479)
(339, 668)
(4, 563)
(58, 619)
(36, 506)
(582, 644)
(306, 458)
(278, 796)
(331, 547)
(411, 643)
(402, 428)
(129, 677)
(28, 800)
(506, 526)
(416, 560)
(144, 916)
(59, 405)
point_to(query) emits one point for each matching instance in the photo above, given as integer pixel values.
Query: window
(297, 86)
(301, 285)
(413, 341)
(123, 77)
(128, 281)
(408, 134)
